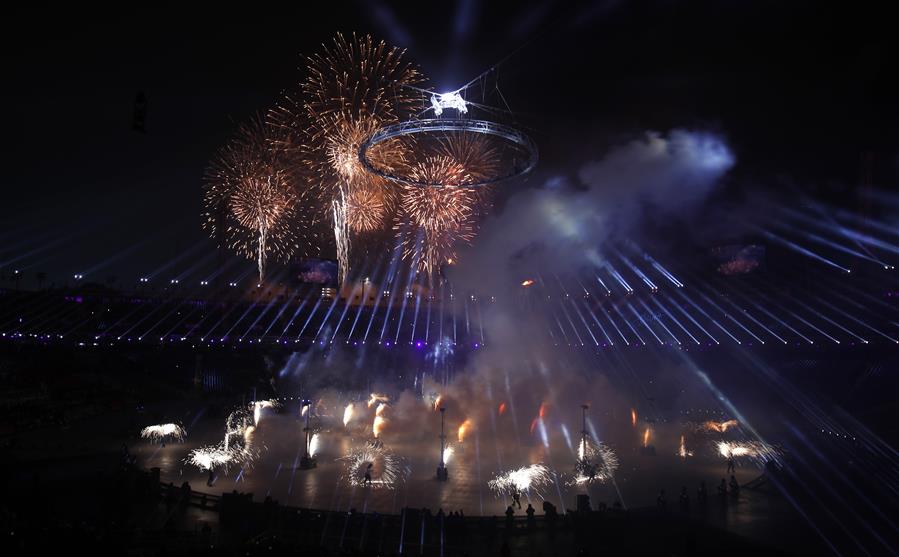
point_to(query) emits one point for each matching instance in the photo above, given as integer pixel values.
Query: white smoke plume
(564, 225)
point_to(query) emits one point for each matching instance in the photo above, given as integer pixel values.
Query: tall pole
(442, 473)
(442, 436)
(584, 408)
(308, 460)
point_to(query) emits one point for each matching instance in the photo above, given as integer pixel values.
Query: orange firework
(634, 417)
(352, 89)
(251, 202)
(502, 408)
(463, 429)
(434, 219)
(646, 437)
(380, 421)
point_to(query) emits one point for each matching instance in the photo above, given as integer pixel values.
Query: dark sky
(799, 89)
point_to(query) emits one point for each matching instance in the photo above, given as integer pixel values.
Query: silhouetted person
(734, 486)
(722, 488)
(366, 480)
(211, 480)
(701, 494)
(510, 514)
(516, 498)
(532, 523)
(684, 499)
(731, 465)
(660, 500)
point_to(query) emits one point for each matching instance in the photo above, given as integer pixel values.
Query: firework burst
(385, 468)
(163, 432)
(434, 219)
(754, 450)
(596, 463)
(352, 89)
(521, 480)
(251, 204)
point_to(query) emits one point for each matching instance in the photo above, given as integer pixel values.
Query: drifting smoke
(665, 177)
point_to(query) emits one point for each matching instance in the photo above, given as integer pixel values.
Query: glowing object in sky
(526, 283)
(453, 99)
(162, 432)
(646, 437)
(502, 408)
(634, 417)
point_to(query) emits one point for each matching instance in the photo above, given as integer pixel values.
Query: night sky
(802, 92)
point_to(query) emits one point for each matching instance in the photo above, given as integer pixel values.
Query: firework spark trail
(251, 203)
(749, 449)
(348, 414)
(596, 462)
(682, 449)
(162, 432)
(521, 480)
(387, 469)
(380, 420)
(353, 88)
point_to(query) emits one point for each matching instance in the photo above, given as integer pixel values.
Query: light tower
(308, 460)
(442, 472)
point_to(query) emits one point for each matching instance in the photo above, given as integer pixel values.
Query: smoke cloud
(565, 224)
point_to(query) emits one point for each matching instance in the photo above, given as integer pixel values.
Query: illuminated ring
(412, 127)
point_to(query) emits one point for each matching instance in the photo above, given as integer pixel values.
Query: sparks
(347, 414)
(163, 432)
